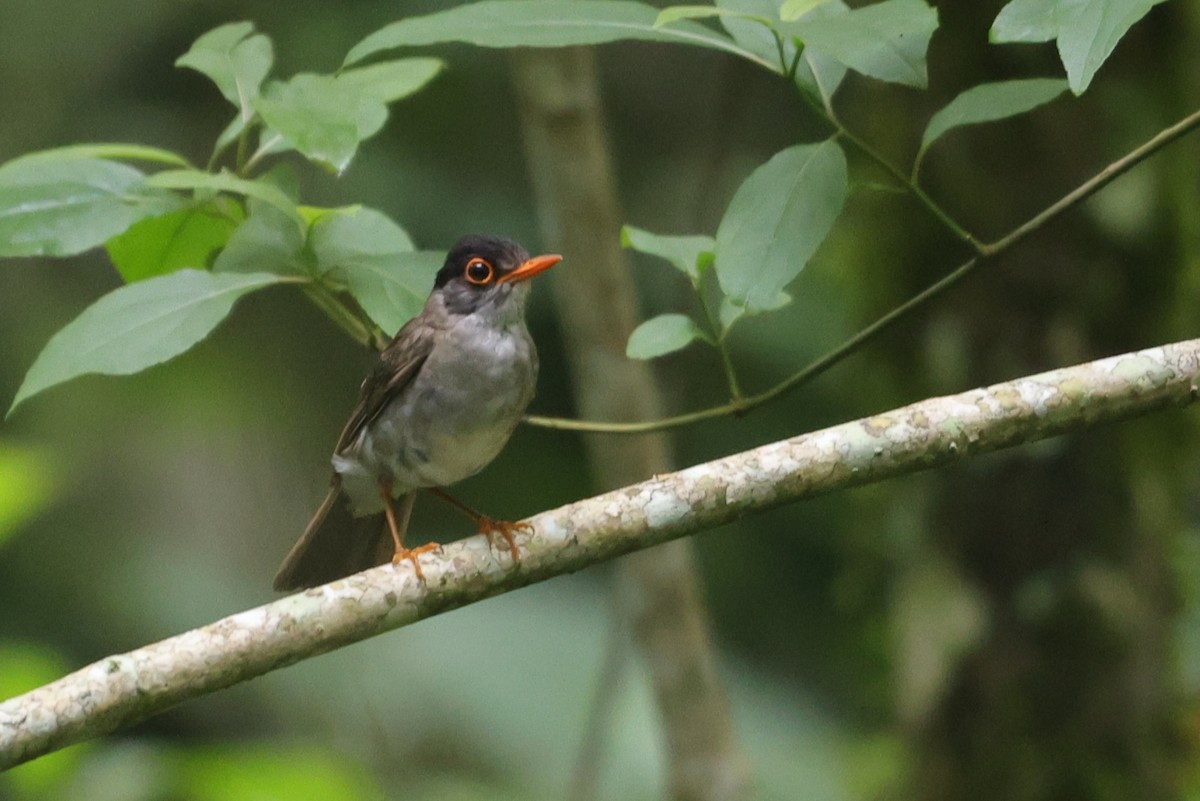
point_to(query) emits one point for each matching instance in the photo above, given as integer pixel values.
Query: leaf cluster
(785, 208)
(191, 241)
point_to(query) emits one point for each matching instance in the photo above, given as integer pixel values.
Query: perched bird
(442, 401)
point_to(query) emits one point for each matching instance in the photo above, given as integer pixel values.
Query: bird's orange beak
(531, 267)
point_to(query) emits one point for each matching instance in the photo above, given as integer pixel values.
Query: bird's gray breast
(452, 419)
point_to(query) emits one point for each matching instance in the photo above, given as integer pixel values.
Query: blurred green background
(1024, 626)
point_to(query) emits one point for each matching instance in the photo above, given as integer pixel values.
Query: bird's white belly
(453, 458)
(449, 423)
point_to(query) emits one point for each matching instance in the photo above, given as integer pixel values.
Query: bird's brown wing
(398, 365)
(336, 544)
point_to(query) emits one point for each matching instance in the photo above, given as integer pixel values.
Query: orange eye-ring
(478, 271)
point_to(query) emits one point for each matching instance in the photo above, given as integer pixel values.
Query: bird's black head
(488, 258)
(481, 269)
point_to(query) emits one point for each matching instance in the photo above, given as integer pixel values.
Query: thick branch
(124, 689)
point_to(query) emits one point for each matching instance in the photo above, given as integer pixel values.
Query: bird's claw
(506, 530)
(411, 555)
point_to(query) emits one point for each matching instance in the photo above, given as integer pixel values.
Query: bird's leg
(488, 526)
(399, 527)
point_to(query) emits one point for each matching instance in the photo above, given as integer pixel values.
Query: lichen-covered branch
(123, 689)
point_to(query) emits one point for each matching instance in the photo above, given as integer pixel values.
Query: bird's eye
(478, 271)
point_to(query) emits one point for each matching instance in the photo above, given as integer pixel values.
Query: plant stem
(809, 372)
(985, 251)
(858, 340)
(735, 391)
(825, 112)
(1095, 183)
(718, 341)
(783, 63)
(259, 154)
(791, 71)
(916, 191)
(243, 145)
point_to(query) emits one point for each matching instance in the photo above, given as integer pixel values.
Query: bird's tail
(334, 545)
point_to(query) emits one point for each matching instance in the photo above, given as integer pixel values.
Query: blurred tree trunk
(658, 591)
(1065, 688)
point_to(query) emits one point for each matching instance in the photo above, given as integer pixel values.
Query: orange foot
(506, 530)
(411, 555)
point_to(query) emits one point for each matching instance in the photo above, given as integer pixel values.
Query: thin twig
(914, 189)
(1095, 183)
(985, 251)
(720, 343)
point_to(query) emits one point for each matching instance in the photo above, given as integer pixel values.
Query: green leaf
(387, 278)
(817, 72)
(232, 131)
(751, 35)
(185, 237)
(320, 117)
(676, 13)
(390, 81)
(688, 254)
(544, 23)
(53, 207)
(138, 326)
(1026, 21)
(267, 241)
(730, 312)
(392, 292)
(886, 40)
(660, 335)
(795, 9)
(223, 181)
(325, 117)
(236, 59)
(340, 236)
(992, 101)
(1087, 30)
(776, 221)
(310, 214)
(271, 142)
(112, 151)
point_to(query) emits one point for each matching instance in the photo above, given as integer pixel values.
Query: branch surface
(126, 688)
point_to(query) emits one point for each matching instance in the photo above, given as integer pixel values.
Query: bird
(441, 402)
